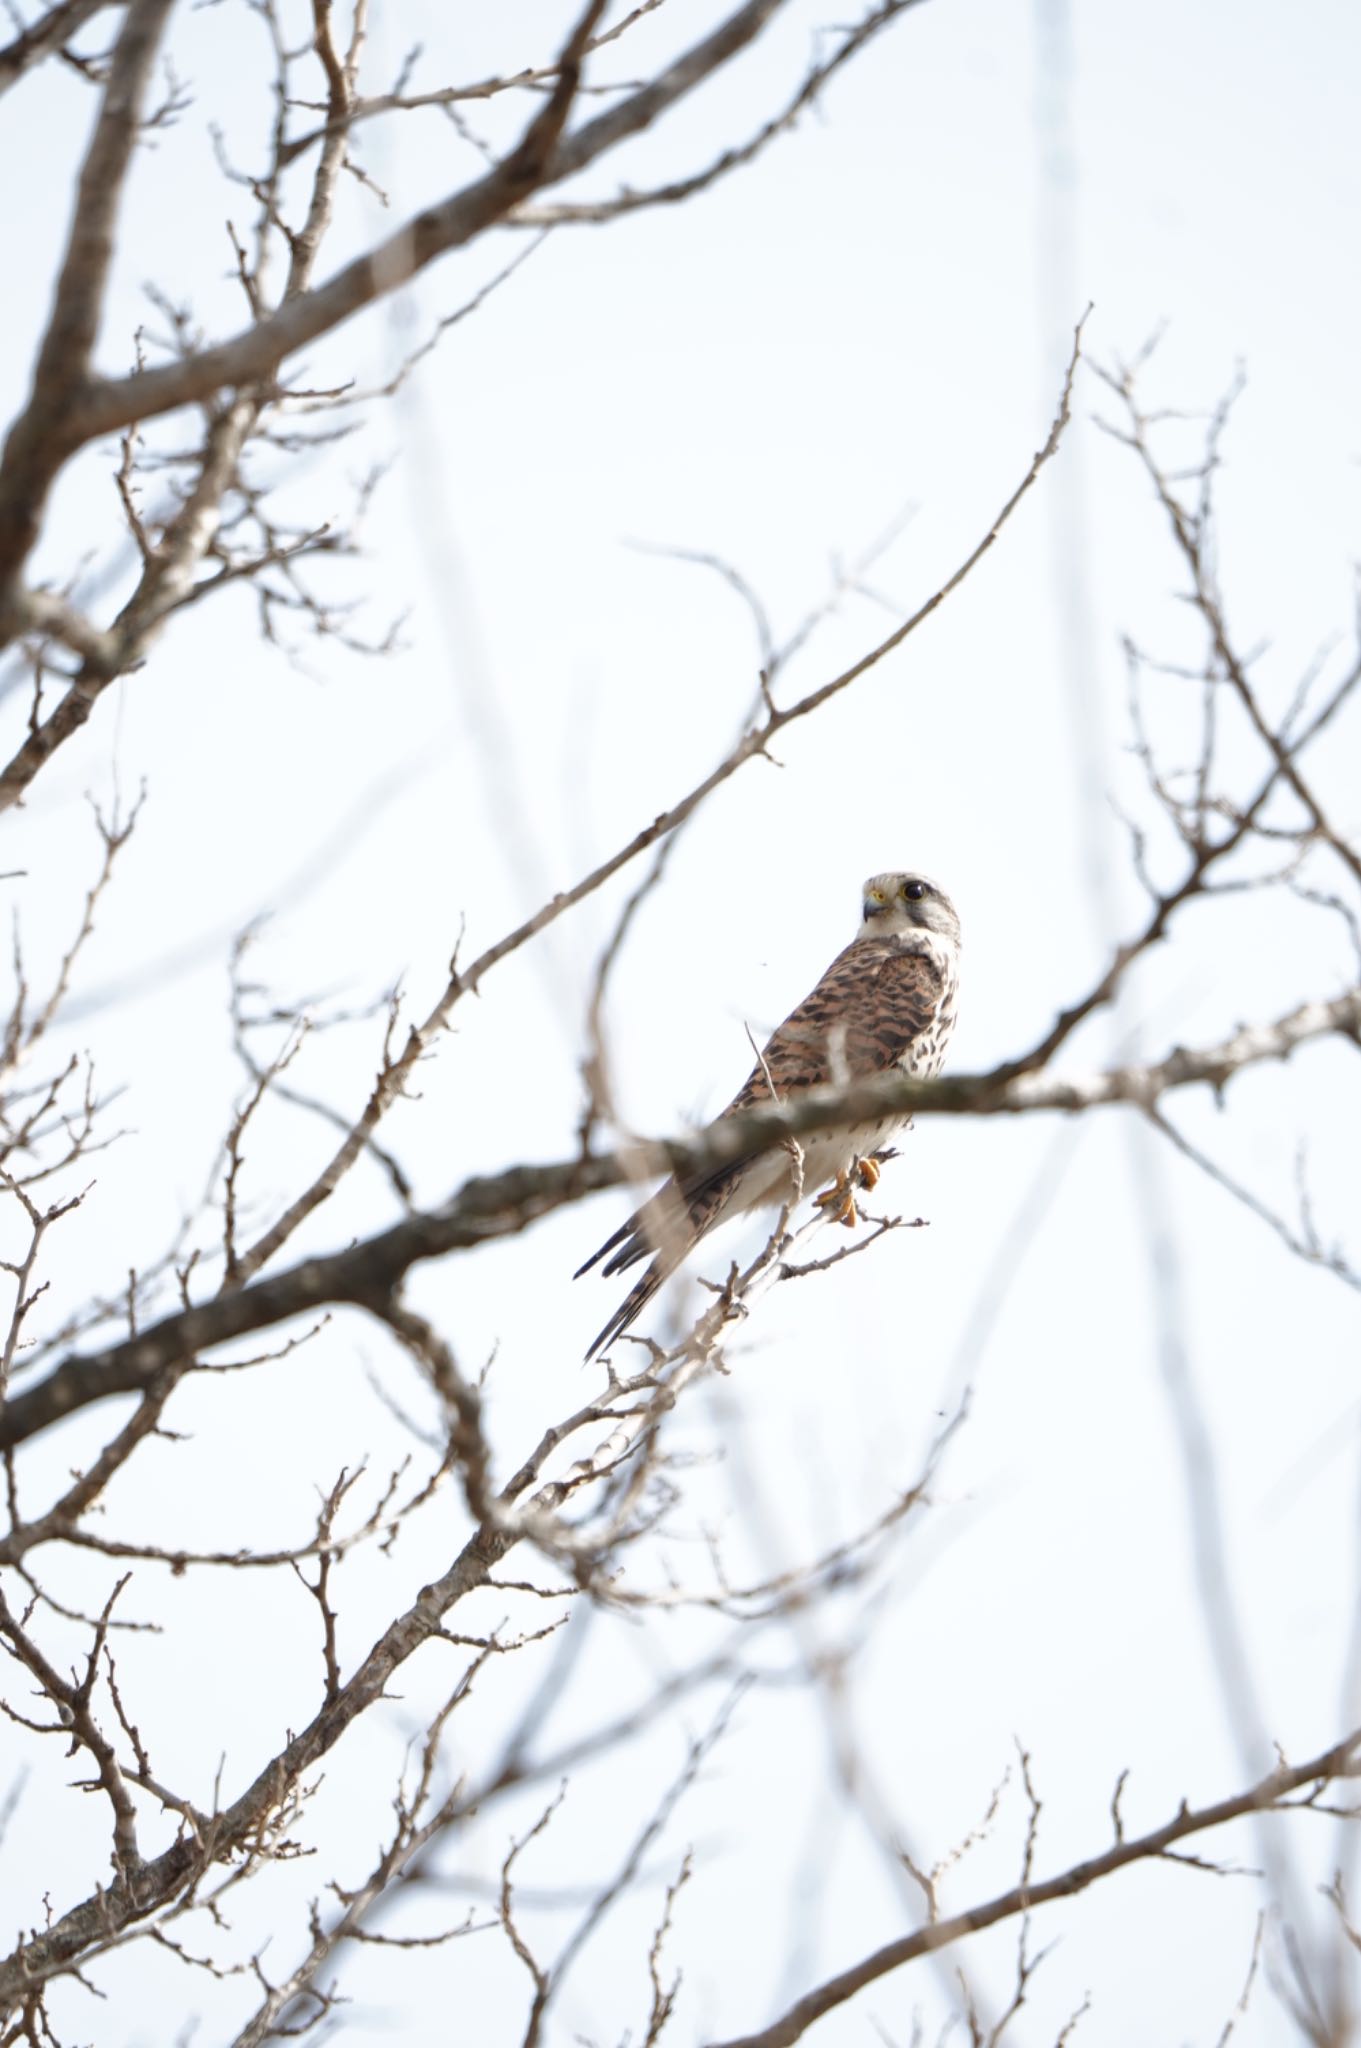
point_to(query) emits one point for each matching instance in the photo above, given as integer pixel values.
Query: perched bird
(887, 1002)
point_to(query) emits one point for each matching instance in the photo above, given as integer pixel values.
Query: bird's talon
(867, 1172)
(839, 1200)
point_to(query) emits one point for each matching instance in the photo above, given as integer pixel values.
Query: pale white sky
(867, 320)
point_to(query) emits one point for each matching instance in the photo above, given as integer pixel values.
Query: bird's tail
(667, 1225)
(628, 1244)
(633, 1304)
(666, 1229)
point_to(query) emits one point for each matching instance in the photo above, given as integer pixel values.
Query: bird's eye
(914, 891)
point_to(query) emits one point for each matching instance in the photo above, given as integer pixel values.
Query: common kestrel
(887, 1002)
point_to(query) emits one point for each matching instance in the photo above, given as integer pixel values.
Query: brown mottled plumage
(887, 1001)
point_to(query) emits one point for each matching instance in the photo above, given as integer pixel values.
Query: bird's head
(908, 903)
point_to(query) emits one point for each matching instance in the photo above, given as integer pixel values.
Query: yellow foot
(840, 1199)
(867, 1172)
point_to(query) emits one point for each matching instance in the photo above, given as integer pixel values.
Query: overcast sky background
(868, 323)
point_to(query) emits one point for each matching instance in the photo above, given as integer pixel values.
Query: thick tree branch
(504, 1204)
(42, 437)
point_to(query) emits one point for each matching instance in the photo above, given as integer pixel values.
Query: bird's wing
(870, 1005)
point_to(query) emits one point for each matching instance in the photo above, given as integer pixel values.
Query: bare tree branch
(506, 1203)
(1272, 1794)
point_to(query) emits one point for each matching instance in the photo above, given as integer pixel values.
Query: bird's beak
(874, 905)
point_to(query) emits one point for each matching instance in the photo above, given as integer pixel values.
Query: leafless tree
(455, 1601)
